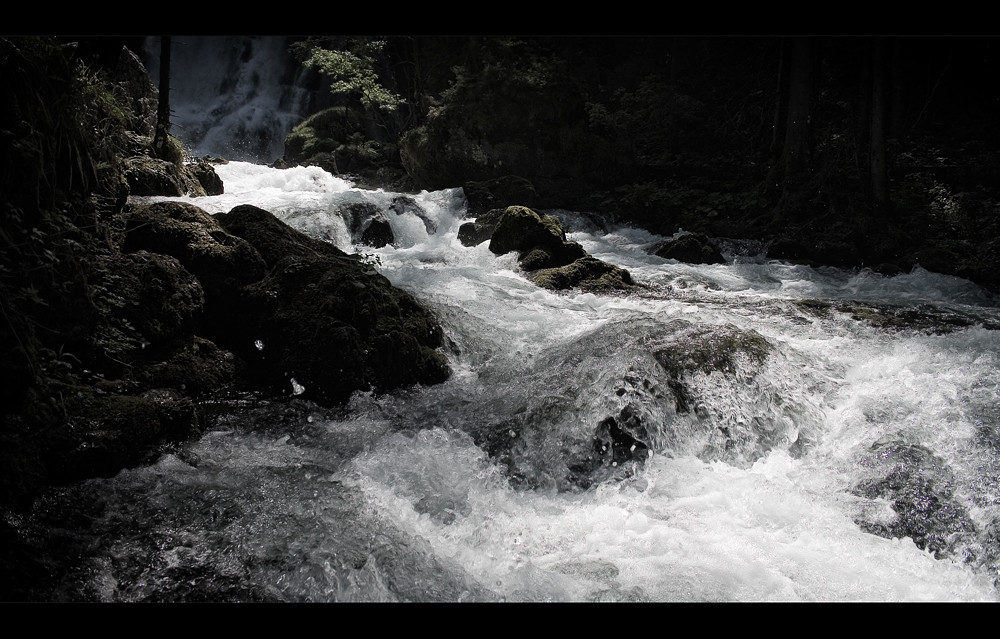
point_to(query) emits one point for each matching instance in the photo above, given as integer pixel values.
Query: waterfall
(235, 96)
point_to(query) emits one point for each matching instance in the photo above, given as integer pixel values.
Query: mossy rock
(110, 431)
(328, 320)
(714, 349)
(587, 273)
(540, 240)
(217, 258)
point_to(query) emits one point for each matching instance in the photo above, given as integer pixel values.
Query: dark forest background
(853, 151)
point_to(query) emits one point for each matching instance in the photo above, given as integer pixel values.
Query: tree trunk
(160, 146)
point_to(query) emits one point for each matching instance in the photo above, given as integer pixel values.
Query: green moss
(711, 349)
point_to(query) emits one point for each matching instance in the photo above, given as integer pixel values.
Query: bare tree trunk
(163, 109)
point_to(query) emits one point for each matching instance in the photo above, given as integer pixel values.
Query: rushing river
(872, 431)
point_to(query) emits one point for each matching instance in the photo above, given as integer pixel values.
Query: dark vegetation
(846, 151)
(852, 152)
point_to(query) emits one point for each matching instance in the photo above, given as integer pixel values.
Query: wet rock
(356, 215)
(540, 238)
(204, 172)
(691, 248)
(109, 431)
(151, 176)
(587, 273)
(480, 230)
(540, 241)
(666, 388)
(919, 486)
(327, 320)
(378, 233)
(404, 204)
(221, 261)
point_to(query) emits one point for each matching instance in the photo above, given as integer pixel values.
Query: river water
(865, 465)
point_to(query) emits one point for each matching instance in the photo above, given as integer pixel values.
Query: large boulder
(151, 176)
(586, 273)
(328, 320)
(221, 261)
(674, 388)
(144, 300)
(540, 240)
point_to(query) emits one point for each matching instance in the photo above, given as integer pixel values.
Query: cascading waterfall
(235, 96)
(829, 455)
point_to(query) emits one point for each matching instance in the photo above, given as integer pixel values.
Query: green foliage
(354, 72)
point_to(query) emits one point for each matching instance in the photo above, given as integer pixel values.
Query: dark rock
(110, 431)
(204, 172)
(152, 292)
(220, 260)
(193, 366)
(587, 273)
(378, 233)
(539, 240)
(271, 238)
(404, 204)
(327, 320)
(143, 300)
(521, 229)
(476, 232)
(691, 248)
(150, 176)
(920, 487)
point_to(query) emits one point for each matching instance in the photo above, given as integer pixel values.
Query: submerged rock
(692, 248)
(662, 388)
(378, 232)
(919, 487)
